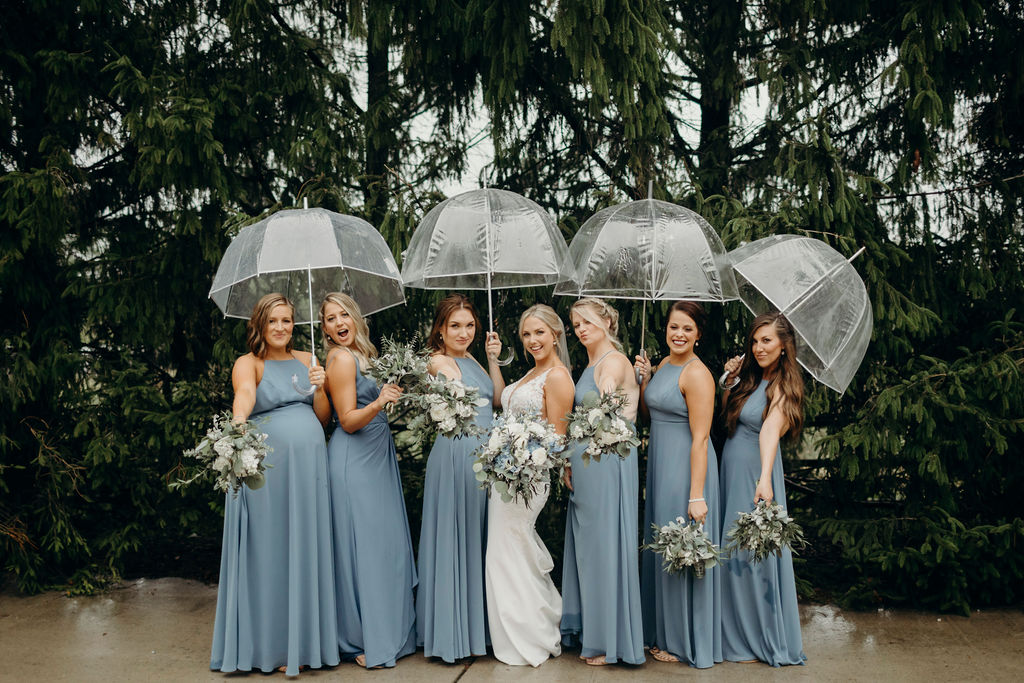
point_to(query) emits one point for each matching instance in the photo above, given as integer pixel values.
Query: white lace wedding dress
(523, 606)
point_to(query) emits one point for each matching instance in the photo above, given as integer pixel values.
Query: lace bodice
(525, 398)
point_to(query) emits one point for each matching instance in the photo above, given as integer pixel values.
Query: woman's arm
(559, 391)
(775, 425)
(558, 395)
(493, 349)
(440, 363)
(341, 379)
(698, 389)
(243, 381)
(317, 379)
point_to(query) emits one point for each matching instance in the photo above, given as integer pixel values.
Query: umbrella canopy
(305, 254)
(485, 239)
(651, 250)
(819, 292)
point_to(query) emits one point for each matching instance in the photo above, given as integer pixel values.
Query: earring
(696, 343)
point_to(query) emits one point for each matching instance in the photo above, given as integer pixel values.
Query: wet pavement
(160, 629)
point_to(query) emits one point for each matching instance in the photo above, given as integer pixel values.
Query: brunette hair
(786, 379)
(695, 311)
(447, 306)
(362, 346)
(600, 313)
(547, 315)
(258, 322)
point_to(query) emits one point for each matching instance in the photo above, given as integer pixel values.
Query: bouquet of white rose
(598, 422)
(233, 451)
(446, 406)
(401, 364)
(519, 456)
(765, 531)
(684, 545)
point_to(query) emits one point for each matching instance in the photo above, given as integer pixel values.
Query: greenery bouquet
(765, 531)
(518, 456)
(684, 545)
(446, 406)
(234, 452)
(598, 422)
(401, 364)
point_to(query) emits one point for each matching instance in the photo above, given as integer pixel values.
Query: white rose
(458, 389)
(222, 463)
(539, 456)
(440, 413)
(224, 447)
(447, 425)
(594, 415)
(494, 443)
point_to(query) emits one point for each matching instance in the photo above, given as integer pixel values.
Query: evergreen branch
(952, 190)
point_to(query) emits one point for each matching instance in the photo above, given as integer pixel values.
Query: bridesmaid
(682, 614)
(275, 599)
(451, 615)
(373, 559)
(760, 619)
(523, 605)
(600, 582)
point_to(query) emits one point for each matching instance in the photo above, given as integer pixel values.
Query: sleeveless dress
(600, 579)
(682, 614)
(760, 617)
(523, 605)
(275, 599)
(451, 613)
(373, 560)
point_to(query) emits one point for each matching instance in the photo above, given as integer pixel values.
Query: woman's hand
(389, 394)
(643, 368)
(732, 367)
(763, 491)
(567, 476)
(698, 511)
(492, 346)
(317, 376)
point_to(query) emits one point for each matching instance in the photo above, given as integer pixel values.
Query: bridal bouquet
(401, 364)
(234, 452)
(684, 545)
(518, 456)
(446, 406)
(598, 422)
(765, 531)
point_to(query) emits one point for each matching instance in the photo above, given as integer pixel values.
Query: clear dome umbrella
(820, 293)
(485, 239)
(305, 254)
(650, 250)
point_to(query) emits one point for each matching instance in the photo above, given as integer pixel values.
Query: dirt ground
(160, 630)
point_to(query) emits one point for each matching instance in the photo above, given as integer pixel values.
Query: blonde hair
(547, 315)
(600, 313)
(361, 345)
(258, 322)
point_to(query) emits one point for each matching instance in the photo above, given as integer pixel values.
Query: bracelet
(697, 500)
(721, 381)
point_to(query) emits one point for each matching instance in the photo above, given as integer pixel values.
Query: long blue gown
(682, 614)
(275, 600)
(760, 617)
(451, 610)
(600, 578)
(373, 560)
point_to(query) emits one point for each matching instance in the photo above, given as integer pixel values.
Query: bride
(523, 606)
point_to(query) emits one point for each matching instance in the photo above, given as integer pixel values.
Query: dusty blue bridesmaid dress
(373, 560)
(600, 579)
(682, 614)
(760, 617)
(275, 600)
(451, 610)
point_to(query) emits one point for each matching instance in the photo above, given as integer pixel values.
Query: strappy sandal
(599, 660)
(663, 656)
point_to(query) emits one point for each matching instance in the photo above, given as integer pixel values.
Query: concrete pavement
(160, 630)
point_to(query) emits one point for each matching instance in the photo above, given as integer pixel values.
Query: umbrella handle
(639, 377)
(505, 361)
(302, 390)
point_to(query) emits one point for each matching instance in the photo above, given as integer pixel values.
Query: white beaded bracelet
(696, 500)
